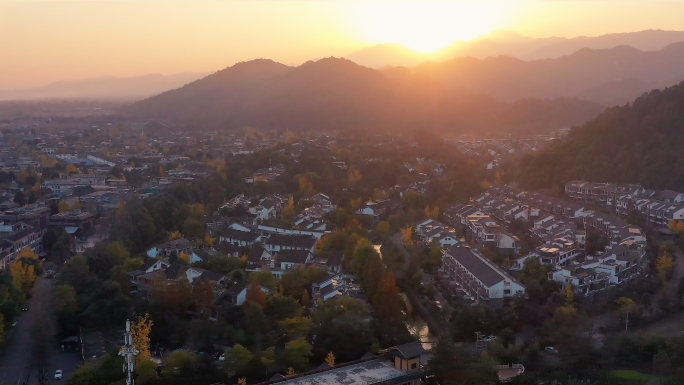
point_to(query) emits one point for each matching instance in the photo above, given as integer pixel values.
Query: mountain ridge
(337, 93)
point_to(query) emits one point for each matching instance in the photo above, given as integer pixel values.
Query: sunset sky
(46, 41)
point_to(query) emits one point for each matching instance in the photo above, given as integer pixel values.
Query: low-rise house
(289, 259)
(175, 247)
(276, 243)
(379, 208)
(239, 238)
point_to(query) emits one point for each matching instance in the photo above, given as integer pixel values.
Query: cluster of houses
(658, 207)
(559, 227)
(24, 227)
(431, 230)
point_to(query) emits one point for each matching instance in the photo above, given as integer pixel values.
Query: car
(551, 349)
(24, 307)
(490, 338)
(222, 357)
(58, 374)
(14, 324)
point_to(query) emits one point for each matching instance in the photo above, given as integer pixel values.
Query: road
(15, 357)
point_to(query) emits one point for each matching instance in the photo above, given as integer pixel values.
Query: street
(15, 354)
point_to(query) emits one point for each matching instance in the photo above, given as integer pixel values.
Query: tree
(184, 257)
(203, 295)
(255, 295)
(146, 371)
(296, 327)
(238, 361)
(383, 228)
(445, 362)
(64, 206)
(175, 235)
(297, 353)
(64, 300)
(407, 236)
(141, 329)
(24, 270)
(665, 265)
(387, 304)
(330, 359)
(20, 198)
(181, 360)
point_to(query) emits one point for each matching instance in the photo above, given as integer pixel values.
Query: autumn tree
(175, 235)
(179, 296)
(330, 359)
(432, 213)
(386, 303)
(255, 294)
(184, 257)
(288, 212)
(63, 206)
(665, 265)
(24, 270)
(407, 236)
(141, 329)
(203, 296)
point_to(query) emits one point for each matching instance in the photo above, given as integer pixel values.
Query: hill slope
(637, 143)
(336, 93)
(610, 76)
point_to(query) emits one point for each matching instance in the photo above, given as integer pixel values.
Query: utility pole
(627, 322)
(129, 352)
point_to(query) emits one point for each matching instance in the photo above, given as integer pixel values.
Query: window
(507, 291)
(414, 365)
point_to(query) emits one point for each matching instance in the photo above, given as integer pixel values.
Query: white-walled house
(480, 279)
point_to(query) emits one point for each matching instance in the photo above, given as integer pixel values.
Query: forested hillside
(338, 94)
(637, 143)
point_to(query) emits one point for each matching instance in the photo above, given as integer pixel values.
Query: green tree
(238, 361)
(297, 353)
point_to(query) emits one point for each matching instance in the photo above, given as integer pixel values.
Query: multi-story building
(480, 279)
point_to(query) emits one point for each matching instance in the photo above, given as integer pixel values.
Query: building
(478, 278)
(74, 221)
(366, 371)
(34, 215)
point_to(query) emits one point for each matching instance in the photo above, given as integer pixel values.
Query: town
(237, 253)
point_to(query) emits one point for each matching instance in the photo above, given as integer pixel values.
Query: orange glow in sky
(51, 40)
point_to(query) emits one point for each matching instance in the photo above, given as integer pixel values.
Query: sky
(52, 40)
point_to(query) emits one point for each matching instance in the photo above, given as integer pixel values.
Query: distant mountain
(338, 94)
(104, 88)
(507, 43)
(636, 143)
(609, 76)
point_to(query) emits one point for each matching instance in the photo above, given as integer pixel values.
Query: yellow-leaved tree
(665, 265)
(407, 236)
(184, 257)
(24, 270)
(141, 329)
(63, 206)
(330, 359)
(175, 235)
(209, 240)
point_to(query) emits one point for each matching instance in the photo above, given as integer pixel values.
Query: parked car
(551, 349)
(58, 374)
(24, 307)
(490, 338)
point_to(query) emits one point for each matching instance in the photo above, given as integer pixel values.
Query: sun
(425, 26)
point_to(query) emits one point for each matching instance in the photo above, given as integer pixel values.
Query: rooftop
(369, 372)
